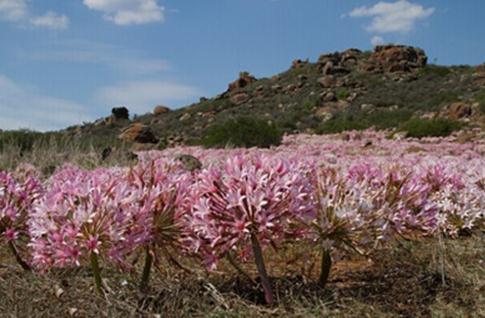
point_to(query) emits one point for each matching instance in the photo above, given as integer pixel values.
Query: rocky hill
(380, 88)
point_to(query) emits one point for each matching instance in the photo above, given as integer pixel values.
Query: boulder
(239, 98)
(398, 58)
(298, 63)
(158, 110)
(459, 110)
(244, 80)
(189, 162)
(138, 133)
(328, 97)
(120, 113)
(327, 81)
(185, 116)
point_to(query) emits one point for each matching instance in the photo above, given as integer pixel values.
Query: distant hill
(341, 90)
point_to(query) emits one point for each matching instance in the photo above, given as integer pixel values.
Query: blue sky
(63, 62)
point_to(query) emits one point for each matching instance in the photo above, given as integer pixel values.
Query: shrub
(342, 93)
(440, 127)
(480, 98)
(388, 119)
(435, 70)
(341, 123)
(242, 132)
(382, 119)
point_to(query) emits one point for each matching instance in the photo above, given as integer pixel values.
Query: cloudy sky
(63, 62)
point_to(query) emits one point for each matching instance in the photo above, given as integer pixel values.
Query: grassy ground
(420, 279)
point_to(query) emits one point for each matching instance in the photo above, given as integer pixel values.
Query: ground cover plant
(252, 230)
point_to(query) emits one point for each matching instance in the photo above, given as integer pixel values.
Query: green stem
(326, 265)
(259, 259)
(145, 277)
(96, 273)
(18, 258)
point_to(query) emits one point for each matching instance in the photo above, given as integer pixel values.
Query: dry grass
(403, 281)
(48, 157)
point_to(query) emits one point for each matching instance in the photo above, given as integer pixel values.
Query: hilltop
(339, 91)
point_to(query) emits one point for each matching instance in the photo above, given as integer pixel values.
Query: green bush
(440, 127)
(341, 123)
(480, 98)
(381, 119)
(388, 119)
(435, 70)
(242, 132)
(342, 93)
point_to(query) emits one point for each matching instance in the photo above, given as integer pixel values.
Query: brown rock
(244, 80)
(459, 110)
(398, 58)
(298, 63)
(328, 97)
(158, 110)
(327, 81)
(138, 133)
(239, 98)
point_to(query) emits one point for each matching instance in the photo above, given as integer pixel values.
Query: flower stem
(258, 256)
(325, 267)
(18, 258)
(96, 272)
(145, 277)
(239, 269)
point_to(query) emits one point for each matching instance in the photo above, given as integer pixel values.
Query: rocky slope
(390, 82)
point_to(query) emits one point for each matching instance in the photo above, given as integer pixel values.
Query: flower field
(340, 196)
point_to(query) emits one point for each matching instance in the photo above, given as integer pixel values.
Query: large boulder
(244, 80)
(138, 133)
(398, 58)
(459, 110)
(299, 63)
(120, 113)
(159, 110)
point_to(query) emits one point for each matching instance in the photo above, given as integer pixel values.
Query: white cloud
(18, 11)
(388, 17)
(13, 10)
(127, 61)
(377, 40)
(51, 20)
(22, 107)
(141, 96)
(127, 12)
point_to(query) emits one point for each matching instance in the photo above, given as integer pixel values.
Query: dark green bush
(381, 119)
(435, 70)
(341, 123)
(440, 127)
(385, 119)
(242, 132)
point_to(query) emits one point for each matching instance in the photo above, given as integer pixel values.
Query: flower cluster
(84, 213)
(17, 196)
(345, 194)
(250, 195)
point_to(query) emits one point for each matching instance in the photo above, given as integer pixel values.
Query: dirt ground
(418, 279)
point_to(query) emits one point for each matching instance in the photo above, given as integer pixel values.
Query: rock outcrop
(395, 58)
(118, 113)
(159, 110)
(138, 133)
(244, 80)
